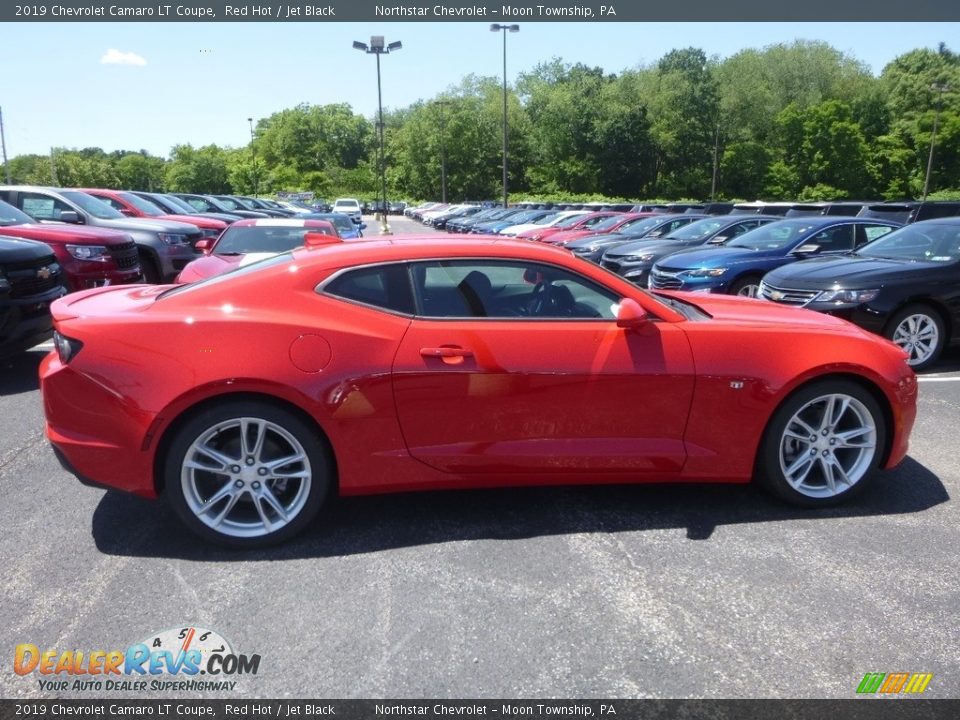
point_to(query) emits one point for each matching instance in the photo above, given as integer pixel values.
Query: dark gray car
(164, 246)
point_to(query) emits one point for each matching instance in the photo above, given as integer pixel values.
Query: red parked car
(133, 205)
(430, 363)
(575, 223)
(610, 224)
(89, 257)
(247, 241)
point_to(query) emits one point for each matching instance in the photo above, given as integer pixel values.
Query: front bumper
(26, 322)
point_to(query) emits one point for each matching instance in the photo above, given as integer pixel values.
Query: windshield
(90, 204)
(697, 230)
(9, 215)
(640, 227)
(342, 222)
(608, 223)
(228, 203)
(922, 243)
(570, 223)
(174, 204)
(262, 239)
(144, 206)
(775, 236)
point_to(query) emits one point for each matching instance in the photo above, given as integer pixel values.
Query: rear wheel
(746, 287)
(247, 474)
(823, 444)
(919, 331)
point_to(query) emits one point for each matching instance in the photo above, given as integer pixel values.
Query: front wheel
(919, 331)
(247, 474)
(746, 287)
(823, 444)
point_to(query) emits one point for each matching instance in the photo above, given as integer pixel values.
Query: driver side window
(508, 290)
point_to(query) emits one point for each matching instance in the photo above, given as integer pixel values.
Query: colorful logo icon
(893, 683)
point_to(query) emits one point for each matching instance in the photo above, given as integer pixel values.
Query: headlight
(640, 258)
(4, 285)
(846, 297)
(66, 347)
(706, 272)
(96, 253)
(173, 238)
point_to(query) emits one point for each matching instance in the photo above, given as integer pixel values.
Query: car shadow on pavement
(130, 526)
(20, 373)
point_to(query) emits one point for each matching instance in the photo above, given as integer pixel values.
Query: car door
(512, 366)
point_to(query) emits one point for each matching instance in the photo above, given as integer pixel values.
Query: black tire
(739, 286)
(251, 500)
(923, 352)
(821, 455)
(149, 268)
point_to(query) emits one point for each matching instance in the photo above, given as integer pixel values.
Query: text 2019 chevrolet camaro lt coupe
(428, 363)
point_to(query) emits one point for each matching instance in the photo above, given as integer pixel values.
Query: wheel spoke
(218, 520)
(275, 503)
(802, 437)
(827, 466)
(847, 436)
(797, 420)
(214, 455)
(283, 462)
(801, 465)
(258, 503)
(216, 497)
(252, 449)
(836, 413)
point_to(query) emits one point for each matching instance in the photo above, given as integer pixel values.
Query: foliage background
(789, 121)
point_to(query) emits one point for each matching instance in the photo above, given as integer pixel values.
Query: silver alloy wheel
(828, 445)
(246, 477)
(751, 289)
(919, 336)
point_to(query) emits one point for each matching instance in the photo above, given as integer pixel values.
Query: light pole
(253, 152)
(941, 88)
(3, 141)
(443, 149)
(496, 27)
(378, 47)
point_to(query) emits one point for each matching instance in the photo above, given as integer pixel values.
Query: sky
(133, 86)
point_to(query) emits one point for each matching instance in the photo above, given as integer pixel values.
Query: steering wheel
(549, 300)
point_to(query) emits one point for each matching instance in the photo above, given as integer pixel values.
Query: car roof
(281, 222)
(422, 247)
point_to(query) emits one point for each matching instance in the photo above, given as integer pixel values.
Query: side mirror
(203, 246)
(718, 240)
(127, 211)
(808, 249)
(630, 315)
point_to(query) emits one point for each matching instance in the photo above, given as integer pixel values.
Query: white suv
(349, 206)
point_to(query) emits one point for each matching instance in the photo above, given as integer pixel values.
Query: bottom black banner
(862, 709)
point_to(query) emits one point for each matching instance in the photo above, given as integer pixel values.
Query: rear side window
(383, 286)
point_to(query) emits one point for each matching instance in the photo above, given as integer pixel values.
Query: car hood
(565, 236)
(657, 245)
(66, 233)
(749, 311)
(199, 221)
(16, 250)
(715, 257)
(150, 225)
(849, 272)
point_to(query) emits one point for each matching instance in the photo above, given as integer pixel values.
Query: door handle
(446, 352)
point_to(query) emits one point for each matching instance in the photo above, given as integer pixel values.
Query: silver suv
(164, 246)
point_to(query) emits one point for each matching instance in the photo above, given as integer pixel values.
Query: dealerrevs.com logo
(187, 658)
(894, 683)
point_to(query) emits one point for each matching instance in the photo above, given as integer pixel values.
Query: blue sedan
(348, 229)
(737, 267)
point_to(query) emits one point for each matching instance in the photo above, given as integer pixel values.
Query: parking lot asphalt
(607, 592)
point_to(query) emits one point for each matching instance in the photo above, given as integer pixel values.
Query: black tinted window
(384, 286)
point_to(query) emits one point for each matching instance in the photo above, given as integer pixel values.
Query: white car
(548, 221)
(349, 206)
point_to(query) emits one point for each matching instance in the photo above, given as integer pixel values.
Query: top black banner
(479, 11)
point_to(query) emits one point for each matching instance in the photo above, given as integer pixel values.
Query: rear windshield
(262, 239)
(227, 276)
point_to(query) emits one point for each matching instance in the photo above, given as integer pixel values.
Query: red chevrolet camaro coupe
(393, 365)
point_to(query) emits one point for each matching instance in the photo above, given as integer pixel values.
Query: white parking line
(938, 379)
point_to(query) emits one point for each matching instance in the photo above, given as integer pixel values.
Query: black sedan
(904, 286)
(633, 260)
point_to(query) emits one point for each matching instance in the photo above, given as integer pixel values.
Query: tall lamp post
(3, 141)
(443, 149)
(941, 88)
(253, 152)
(496, 27)
(378, 47)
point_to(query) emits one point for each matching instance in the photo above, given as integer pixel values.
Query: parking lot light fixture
(498, 27)
(253, 153)
(379, 47)
(940, 89)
